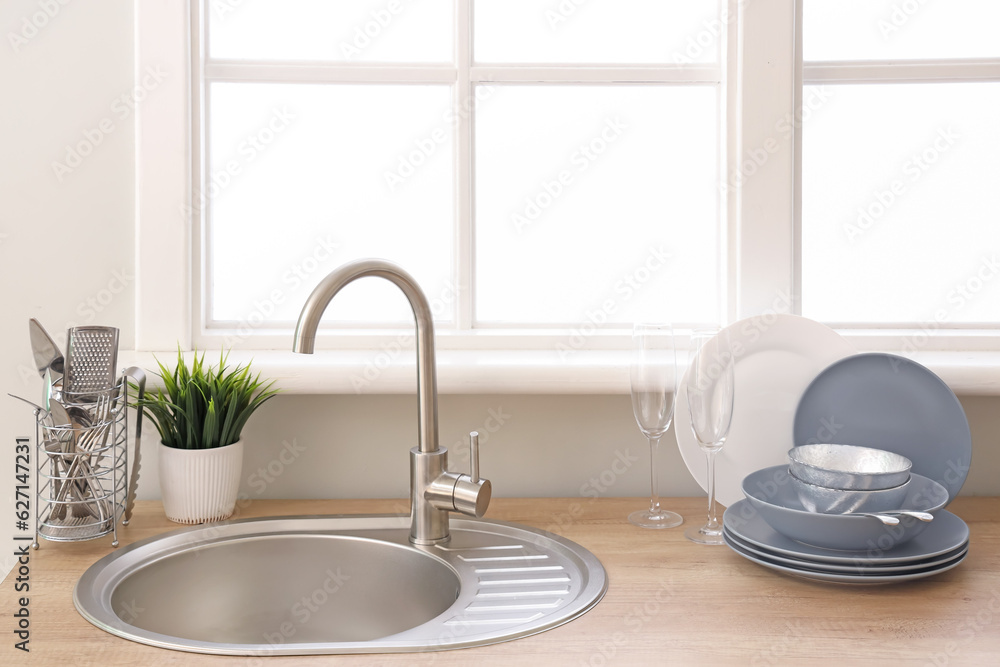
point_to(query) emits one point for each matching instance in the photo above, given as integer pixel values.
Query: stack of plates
(799, 382)
(940, 547)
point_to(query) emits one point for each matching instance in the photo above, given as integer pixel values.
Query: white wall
(355, 446)
(64, 247)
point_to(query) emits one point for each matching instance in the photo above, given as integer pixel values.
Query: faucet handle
(474, 456)
(452, 491)
(471, 495)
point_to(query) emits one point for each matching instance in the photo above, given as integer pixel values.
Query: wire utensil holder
(81, 467)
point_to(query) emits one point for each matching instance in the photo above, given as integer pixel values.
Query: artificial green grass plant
(203, 407)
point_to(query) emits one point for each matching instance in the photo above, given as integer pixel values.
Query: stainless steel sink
(362, 584)
(342, 584)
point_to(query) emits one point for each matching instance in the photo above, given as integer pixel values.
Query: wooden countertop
(669, 601)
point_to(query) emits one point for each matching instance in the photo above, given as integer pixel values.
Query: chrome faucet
(434, 491)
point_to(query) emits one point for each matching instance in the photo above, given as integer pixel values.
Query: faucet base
(428, 524)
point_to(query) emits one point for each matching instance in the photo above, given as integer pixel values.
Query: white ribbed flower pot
(200, 485)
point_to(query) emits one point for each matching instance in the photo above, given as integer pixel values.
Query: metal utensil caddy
(80, 472)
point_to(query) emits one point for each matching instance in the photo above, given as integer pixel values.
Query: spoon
(884, 518)
(58, 417)
(73, 461)
(890, 518)
(923, 516)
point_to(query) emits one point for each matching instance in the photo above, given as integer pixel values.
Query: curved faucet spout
(312, 312)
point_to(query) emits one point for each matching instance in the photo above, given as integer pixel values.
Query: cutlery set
(82, 435)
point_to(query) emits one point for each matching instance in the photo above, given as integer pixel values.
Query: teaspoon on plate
(890, 518)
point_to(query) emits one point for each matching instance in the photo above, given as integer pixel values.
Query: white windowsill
(514, 372)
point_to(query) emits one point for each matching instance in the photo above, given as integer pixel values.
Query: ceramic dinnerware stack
(773, 524)
(801, 383)
(881, 558)
(912, 452)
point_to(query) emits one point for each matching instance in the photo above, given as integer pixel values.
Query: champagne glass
(654, 383)
(710, 387)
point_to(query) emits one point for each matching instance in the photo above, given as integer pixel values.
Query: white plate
(840, 578)
(777, 357)
(946, 533)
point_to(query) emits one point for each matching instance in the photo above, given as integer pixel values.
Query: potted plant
(199, 413)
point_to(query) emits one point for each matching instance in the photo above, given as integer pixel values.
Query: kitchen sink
(351, 584)
(338, 584)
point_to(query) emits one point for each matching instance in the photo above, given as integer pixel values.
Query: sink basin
(319, 587)
(340, 584)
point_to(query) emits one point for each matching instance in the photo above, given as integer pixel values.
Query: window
(762, 162)
(900, 213)
(537, 166)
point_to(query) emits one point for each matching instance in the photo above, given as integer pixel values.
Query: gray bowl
(771, 494)
(841, 501)
(848, 467)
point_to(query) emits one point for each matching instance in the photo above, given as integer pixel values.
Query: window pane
(893, 29)
(901, 210)
(341, 31)
(597, 198)
(307, 177)
(597, 31)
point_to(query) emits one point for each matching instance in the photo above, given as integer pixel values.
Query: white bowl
(840, 501)
(848, 466)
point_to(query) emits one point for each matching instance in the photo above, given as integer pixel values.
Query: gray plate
(889, 402)
(834, 577)
(862, 567)
(946, 533)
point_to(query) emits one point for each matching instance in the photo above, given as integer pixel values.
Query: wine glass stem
(654, 493)
(712, 521)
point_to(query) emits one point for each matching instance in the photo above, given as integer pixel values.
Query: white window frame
(763, 226)
(464, 75)
(965, 335)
